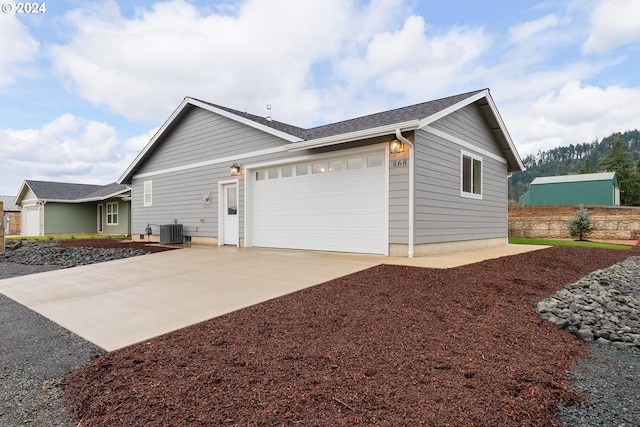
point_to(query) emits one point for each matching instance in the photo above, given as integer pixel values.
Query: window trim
(473, 157)
(112, 213)
(145, 193)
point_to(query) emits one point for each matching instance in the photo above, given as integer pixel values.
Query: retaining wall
(612, 227)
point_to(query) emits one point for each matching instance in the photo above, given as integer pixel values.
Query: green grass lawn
(545, 242)
(68, 236)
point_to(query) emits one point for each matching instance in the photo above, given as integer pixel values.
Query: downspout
(411, 193)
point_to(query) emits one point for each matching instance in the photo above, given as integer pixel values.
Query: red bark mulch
(388, 346)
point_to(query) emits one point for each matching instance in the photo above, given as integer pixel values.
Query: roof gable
(405, 119)
(8, 205)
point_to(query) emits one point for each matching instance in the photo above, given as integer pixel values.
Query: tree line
(618, 152)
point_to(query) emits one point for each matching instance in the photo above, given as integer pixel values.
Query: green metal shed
(588, 189)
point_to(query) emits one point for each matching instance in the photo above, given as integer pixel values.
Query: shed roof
(601, 176)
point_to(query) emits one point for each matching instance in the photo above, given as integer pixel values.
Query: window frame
(114, 212)
(472, 175)
(147, 201)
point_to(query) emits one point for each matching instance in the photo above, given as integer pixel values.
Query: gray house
(63, 208)
(423, 179)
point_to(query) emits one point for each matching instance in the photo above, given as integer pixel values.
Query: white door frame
(221, 213)
(100, 226)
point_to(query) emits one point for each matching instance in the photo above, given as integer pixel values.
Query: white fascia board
(504, 131)
(190, 101)
(353, 136)
(244, 120)
(18, 201)
(455, 107)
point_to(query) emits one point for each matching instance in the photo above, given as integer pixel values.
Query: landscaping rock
(603, 306)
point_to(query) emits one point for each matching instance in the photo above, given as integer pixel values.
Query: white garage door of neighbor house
(335, 204)
(31, 221)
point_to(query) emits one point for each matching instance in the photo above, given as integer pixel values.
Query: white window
(471, 175)
(318, 167)
(112, 213)
(261, 175)
(287, 171)
(354, 163)
(335, 165)
(272, 173)
(375, 161)
(301, 170)
(148, 193)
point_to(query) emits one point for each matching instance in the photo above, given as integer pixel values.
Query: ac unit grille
(171, 233)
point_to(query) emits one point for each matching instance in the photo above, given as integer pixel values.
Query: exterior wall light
(396, 146)
(234, 169)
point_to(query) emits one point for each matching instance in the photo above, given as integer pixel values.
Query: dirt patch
(389, 346)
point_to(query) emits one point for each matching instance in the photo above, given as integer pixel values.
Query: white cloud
(142, 67)
(70, 149)
(613, 23)
(17, 50)
(525, 32)
(579, 113)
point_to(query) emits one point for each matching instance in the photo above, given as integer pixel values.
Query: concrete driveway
(118, 303)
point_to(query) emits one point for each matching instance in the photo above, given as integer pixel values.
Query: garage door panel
(339, 209)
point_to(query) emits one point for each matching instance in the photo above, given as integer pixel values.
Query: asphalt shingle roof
(48, 190)
(398, 115)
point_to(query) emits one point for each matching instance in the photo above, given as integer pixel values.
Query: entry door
(230, 215)
(100, 219)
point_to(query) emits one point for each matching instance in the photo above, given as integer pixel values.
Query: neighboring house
(417, 180)
(588, 189)
(62, 208)
(11, 215)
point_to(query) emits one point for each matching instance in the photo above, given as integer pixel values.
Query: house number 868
(399, 163)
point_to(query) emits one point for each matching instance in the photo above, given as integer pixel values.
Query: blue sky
(84, 85)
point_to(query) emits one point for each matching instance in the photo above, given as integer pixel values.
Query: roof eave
(353, 136)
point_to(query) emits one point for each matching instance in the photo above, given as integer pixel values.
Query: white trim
(353, 136)
(472, 156)
(321, 156)
(144, 194)
(221, 195)
(100, 208)
(106, 206)
(228, 159)
(245, 121)
(248, 182)
(464, 144)
(503, 128)
(453, 108)
(176, 113)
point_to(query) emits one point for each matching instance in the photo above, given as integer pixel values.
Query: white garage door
(335, 204)
(31, 221)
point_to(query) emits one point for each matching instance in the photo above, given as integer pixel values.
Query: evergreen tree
(581, 224)
(618, 159)
(587, 167)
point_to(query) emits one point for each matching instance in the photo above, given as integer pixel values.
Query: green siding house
(50, 208)
(600, 189)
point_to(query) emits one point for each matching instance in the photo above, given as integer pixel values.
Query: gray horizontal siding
(442, 215)
(469, 125)
(201, 135)
(399, 201)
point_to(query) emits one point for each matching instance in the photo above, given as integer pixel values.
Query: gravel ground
(36, 353)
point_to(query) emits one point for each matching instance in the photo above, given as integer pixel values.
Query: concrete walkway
(118, 303)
